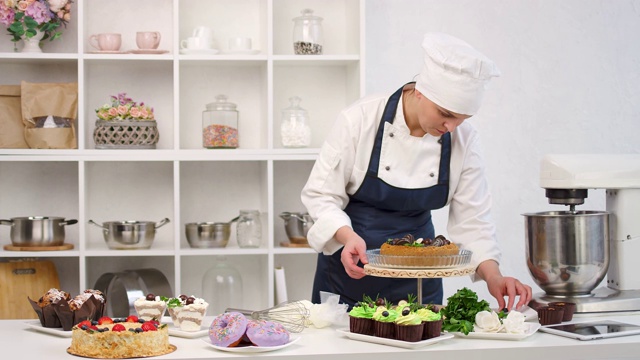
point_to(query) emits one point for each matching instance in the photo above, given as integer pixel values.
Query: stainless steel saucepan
(37, 230)
(129, 234)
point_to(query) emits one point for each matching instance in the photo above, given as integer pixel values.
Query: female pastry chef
(389, 161)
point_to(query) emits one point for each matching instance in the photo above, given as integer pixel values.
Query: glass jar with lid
(249, 229)
(307, 34)
(294, 127)
(222, 286)
(220, 124)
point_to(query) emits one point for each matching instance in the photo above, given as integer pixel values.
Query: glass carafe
(249, 229)
(294, 127)
(307, 34)
(222, 287)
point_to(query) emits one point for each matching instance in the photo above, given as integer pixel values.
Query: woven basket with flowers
(125, 124)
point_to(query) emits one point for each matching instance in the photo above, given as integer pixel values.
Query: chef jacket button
(387, 168)
(432, 174)
(390, 134)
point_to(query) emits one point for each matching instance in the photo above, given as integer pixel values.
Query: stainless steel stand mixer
(570, 252)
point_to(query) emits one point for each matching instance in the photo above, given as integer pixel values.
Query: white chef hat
(454, 74)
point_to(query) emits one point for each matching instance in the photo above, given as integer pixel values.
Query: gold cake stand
(418, 273)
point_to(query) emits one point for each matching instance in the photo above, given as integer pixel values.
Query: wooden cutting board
(22, 279)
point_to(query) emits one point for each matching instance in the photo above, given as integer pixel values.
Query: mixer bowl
(567, 251)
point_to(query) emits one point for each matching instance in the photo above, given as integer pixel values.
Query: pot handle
(96, 224)
(301, 218)
(162, 222)
(68, 222)
(6, 222)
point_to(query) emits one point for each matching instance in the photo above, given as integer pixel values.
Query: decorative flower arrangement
(124, 108)
(25, 18)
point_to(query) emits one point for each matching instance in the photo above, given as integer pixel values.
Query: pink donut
(266, 333)
(227, 329)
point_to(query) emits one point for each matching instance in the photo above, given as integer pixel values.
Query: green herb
(460, 312)
(173, 302)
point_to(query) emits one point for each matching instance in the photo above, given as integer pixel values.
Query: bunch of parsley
(460, 312)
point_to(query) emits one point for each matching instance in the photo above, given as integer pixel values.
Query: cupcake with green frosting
(361, 317)
(384, 322)
(431, 320)
(408, 326)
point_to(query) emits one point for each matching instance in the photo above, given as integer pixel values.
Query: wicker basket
(126, 134)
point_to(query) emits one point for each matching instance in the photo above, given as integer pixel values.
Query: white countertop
(18, 340)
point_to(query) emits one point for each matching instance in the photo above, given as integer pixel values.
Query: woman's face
(436, 120)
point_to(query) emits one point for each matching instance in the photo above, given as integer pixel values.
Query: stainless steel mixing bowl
(208, 234)
(567, 251)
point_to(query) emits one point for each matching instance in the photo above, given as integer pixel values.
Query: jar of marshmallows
(294, 126)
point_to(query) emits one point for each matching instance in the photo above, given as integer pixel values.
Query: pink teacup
(148, 40)
(106, 42)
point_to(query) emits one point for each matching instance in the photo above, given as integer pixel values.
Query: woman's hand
(500, 286)
(354, 250)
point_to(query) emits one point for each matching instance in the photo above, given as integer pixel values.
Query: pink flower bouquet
(25, 18)
(124, 108)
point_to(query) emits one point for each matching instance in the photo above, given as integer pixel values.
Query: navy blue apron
(378, 212)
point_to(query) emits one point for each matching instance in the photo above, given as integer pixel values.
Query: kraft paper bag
(11, 127)
(49, 113)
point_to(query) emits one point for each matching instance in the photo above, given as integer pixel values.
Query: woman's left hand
(500, 286)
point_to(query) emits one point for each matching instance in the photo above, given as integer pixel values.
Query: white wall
(570, 84)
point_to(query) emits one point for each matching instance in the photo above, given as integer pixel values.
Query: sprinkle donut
(227, 329)
(266, 333)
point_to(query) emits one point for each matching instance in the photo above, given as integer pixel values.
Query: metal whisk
(293, 315)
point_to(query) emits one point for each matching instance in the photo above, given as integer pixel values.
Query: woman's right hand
(354, 250)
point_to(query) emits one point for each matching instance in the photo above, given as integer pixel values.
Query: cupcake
(150, 307)
(384, 322)
(568, 309)
(431, 320)
(548, 315)
(190, 314)
(45, 307)
(408, 326)
(361, 317)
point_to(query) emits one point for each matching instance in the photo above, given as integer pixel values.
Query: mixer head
(570, 197)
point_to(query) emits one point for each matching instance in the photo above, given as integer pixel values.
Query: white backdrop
(570, 84)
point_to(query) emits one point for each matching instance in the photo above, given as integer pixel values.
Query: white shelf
(179, 179)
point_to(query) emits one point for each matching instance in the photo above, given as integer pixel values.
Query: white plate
(242, 52)
(148, 51)
(199, 52)
(393, 342)
(531, 329)
(35, 324)
(175, 331)
(251, 348)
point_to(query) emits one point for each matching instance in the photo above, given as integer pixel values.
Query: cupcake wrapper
(411, 333)
(568, 309)
(47, 315)
(384, 329)
(361, 326)
(432, 329)
(69, 318)
(550, 315)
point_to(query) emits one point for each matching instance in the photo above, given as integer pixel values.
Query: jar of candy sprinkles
(220, 125)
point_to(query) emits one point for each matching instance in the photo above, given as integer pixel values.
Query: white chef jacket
(405, 161)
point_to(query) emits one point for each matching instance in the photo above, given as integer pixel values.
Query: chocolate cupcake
(549, 315)
(432, 321)
(568, 308)
(384, 322)
(45, 307)
(409, 326)
(361, 318)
